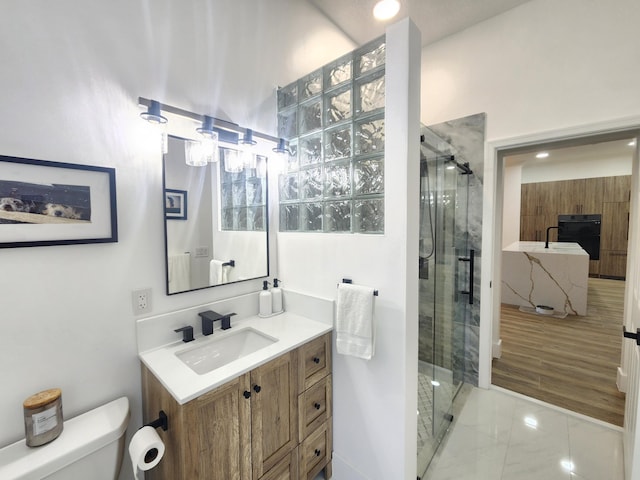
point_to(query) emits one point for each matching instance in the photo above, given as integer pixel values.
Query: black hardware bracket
(230, 263)
(161, 422)
(634, 336)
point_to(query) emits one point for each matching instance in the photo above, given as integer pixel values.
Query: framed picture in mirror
(175, 204)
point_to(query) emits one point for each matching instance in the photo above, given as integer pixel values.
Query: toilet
(91, 446)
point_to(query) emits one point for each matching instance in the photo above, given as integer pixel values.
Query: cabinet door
(594, 193)
(617, 189)
(571, 194)
(613, 264)
(274, 412)
(547, 194)
(216, 432)
(528, 199)
(615, 226)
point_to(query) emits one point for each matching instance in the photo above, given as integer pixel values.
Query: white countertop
(184, 384)
(563, 248)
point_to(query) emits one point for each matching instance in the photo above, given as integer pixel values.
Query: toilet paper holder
(161, 421)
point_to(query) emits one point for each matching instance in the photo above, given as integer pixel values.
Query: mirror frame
(165, 220)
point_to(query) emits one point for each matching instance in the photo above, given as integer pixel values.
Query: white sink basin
(220, 351)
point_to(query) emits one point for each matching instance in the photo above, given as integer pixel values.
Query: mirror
(215, 219)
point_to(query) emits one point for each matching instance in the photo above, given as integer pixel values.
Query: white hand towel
(179, 272)
(354, 321)
(216, 272)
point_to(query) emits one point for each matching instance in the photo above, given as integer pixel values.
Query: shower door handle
(471, 260)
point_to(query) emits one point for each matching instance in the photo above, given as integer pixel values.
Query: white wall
(539, 68)
(72, 73)
(588, 167)
(375, 400)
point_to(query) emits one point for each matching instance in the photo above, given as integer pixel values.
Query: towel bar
(348, 280)
(230, 263)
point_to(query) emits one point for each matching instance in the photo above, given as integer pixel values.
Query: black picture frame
(44, 203)
(175, 204)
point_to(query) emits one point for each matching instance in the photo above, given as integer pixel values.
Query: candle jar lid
(41, 399)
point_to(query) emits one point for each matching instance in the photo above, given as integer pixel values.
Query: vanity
(264, 416)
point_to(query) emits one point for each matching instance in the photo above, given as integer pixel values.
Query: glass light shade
(232, 161)
(195, 154)
(386, 9)
(248, 158)
(210, 146)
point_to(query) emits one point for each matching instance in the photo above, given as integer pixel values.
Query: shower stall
(445, 288)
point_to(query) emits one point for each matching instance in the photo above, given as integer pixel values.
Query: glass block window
(333, 119)
(243, 201)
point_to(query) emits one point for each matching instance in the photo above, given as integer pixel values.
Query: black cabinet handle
(246, 394)
(317, 452)
(257, 388)
(317, 405)
(316, 360)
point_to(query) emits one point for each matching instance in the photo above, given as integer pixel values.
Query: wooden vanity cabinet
(248, 428)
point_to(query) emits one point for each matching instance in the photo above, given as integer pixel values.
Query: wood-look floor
(570, 362)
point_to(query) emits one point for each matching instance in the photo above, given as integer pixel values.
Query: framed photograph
(52, 203)
(175, 204)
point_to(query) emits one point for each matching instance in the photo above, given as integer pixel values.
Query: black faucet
(187, 333)
(209, 316)
(546, 243)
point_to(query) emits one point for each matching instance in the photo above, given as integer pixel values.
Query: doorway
(545, 357)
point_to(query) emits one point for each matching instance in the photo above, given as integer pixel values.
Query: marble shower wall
(467, 135)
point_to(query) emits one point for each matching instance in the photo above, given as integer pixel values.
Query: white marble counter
(184, 384)
(556, 276)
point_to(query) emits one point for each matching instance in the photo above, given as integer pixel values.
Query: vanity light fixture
(248, 153)
(281, 149)
(210, 139)
(386, 9)
(153, 113)
(542, 155)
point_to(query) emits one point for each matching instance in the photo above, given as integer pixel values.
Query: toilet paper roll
(145, 449)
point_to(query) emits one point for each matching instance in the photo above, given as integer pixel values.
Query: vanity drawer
(315, 452)
(314, 407)
(286, 469)
(315, 361)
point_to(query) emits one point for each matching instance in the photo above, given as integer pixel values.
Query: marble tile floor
(501, 435)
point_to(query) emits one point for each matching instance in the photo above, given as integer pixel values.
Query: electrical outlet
(141, 301)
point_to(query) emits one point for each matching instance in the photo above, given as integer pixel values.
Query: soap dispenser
(276, 294)
(265, 300)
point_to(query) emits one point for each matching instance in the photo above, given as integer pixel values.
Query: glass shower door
(443, 297)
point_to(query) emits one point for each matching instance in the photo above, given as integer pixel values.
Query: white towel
(354, 321)
(218, 273)
(179, 272)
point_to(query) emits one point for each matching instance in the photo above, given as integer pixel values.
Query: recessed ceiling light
(542, 155)
(632, 143)
(386, 9)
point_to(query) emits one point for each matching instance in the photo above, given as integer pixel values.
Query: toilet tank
(91, 445)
